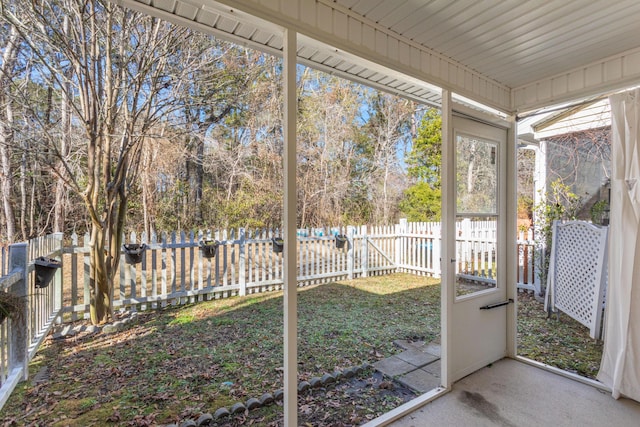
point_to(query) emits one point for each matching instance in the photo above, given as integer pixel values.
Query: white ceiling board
(365, 7)
(413, 23)
(514, 42)
(512, 55)
(186, 10)
(233, 25)
(231, 22)
(428, 26)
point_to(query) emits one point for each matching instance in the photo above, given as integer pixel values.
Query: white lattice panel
(577, 272)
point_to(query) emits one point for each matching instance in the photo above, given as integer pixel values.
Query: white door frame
(508, 241)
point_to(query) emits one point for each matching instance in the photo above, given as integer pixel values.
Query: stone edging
(69, 331)
(269, 398)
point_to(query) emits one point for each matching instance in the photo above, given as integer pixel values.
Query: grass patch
(181, 362)
(562, 343)
(182, 318)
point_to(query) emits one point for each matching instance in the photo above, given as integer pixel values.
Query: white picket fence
(528, 277)
(418, 252)
(21, 336)
(174, 271)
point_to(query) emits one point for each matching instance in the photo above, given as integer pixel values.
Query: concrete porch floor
(512, 393)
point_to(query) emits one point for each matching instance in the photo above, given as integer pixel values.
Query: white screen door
(479, 320)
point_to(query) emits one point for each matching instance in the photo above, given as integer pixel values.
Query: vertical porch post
(289, 226)
(511, 235)
(447, 284)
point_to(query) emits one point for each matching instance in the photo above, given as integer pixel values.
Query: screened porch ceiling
(513, 56)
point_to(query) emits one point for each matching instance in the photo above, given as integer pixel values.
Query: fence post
(18, 352)
(364, 254)
(57, 298)
(436, 247)
(538, 270)
(130, 276)
(154, 268)
(350, 251)
(163, 271)
(532, 262)
(242, 279)
(400, 231)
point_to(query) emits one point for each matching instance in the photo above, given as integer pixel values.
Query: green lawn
(562, 343)
(181, 362)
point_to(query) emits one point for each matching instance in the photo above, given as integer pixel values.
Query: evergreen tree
(422, 199)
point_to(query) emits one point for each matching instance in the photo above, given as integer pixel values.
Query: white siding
(606, 75)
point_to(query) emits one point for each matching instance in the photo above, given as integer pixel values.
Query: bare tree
(389, 128)
(111, 64)
(61, 193)
(124, 111)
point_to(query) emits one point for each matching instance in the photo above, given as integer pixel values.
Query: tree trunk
(100, 289)
(6, 133)
(147, 190)
(6, 184)
(65, 148)
(23, 191)
(199, 178)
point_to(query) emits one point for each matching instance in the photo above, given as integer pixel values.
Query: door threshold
(570, 375)
(407, 408)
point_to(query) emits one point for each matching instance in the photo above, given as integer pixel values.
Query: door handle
(496, 305)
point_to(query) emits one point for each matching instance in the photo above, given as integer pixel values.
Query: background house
(571, 146)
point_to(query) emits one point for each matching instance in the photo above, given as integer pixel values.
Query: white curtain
(620, 367)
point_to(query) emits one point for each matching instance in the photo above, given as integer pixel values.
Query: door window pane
(476, 214)
(476, 175)
(476, 254)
